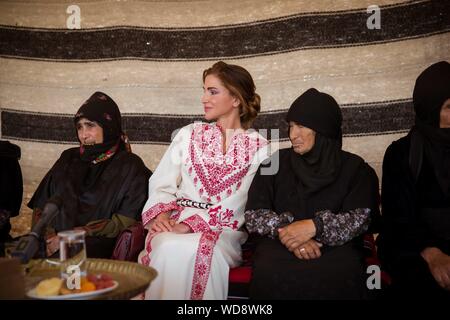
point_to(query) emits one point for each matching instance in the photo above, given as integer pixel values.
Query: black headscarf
(103, 110)
(431, 90)
(321, 165)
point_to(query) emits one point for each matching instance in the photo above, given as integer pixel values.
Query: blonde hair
(240, 83)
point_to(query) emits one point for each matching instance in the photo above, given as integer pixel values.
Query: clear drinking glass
(72, 252)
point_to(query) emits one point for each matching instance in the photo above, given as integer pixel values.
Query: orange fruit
(87, 286)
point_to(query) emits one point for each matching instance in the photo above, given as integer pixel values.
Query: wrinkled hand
(309, 250)
(297, 233)
(161, 223)
(52, 245)
(439, 265)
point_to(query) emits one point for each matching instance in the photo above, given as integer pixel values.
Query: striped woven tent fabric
(149, 57)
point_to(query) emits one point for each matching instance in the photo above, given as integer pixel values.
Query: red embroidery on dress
(221, 219)
(176, 215)
(145, 260)
(158, 209)
(203, 263)
(197, 224)
(218, 172)
(152, 213)
(148, 243)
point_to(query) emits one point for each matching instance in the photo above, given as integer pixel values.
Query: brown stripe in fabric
(369, 119)
(293, 33)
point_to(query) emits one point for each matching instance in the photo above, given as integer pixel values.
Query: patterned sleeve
(337, 229)
(265, 222)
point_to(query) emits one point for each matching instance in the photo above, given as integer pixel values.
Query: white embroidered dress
(196, 265)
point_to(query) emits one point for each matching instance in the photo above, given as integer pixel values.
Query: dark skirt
(338, 274)
(100, 247)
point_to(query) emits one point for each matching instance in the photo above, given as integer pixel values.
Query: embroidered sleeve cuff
(197, 224)
(157, 209)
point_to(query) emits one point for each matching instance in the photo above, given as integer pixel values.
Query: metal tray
(133, 278)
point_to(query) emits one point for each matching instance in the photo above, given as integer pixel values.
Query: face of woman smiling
(89, 132)
(217, 100)
(302, 138)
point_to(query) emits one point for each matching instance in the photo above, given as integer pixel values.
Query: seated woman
(414, 243)
(198, 192)
(102, 184)
(312, 210)
(11, 189)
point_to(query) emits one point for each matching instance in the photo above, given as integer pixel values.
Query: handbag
(130, 243)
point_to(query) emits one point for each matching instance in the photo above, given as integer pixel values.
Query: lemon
(49, 287)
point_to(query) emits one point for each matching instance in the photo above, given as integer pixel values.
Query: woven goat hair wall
(149, 57)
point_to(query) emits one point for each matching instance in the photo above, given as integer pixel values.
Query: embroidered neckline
(214, 172)
(106, 155)
(233, 137)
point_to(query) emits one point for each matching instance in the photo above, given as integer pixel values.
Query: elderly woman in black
(11, 189)
(102, 184)
(313, 211)
(414, 244)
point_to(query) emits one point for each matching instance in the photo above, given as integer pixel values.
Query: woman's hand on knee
(439, 265)
(308, 250)
(296, 233)
(162, 223)
(52, 245)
